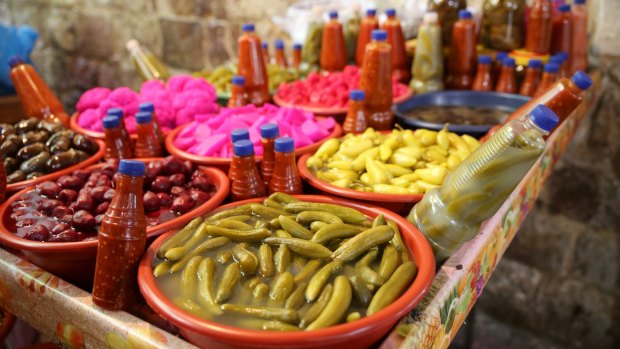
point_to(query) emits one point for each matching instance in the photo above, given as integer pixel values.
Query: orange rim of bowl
(13, 187)
(73, 124)
(7, 237)
(217, 161)
(320, 184)
(417, 246)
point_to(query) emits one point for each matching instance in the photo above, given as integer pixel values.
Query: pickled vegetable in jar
(427, 66)
(502, 24)
(448, 11)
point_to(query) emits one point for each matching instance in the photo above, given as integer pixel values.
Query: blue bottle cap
(248, 27)
(562, 54)
(582, 80)
(484, 59)
(243, 148)
(379, 35)
(371, 12)
(269, 131)
(564, 8)
(464, 14)
(296, 46)
(147, 106)
(238, 80)
(131, 168)
(116, 112)
(357, 95)
(551, 68)
(544, 117)
(265, 45)
(580, 2)
(284, 145)
(333, 14)
(279, 44)
(390, 12)
(500, 56)
(239, 134)
(534, 63)
(144, 117)
(111, 122)
(556, 60)
(508, 62)
(15, 60)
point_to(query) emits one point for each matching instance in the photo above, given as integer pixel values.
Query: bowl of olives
(35, 150)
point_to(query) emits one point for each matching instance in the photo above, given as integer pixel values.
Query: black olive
(31, 137)
(60, 144)
(34, 175)
(81, 155)
(10, 164)
(29, 151)
(50, 126)
(10, 145)
(26, 125)
(84, 143)
(16, 176)
(7, 129)
(38, 163)
(63, 160)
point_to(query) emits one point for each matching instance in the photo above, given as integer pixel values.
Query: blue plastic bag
(14, 41)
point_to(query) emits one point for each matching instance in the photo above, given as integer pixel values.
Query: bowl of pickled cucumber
(322, 271)
(392, 169)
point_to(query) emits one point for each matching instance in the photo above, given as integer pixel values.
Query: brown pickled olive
(208, 245)
(361, 291)
(300, 246)
(179, 238)
(246, 259)
(283, 198)
(229, 281)
(389, 262)
(318, 281)
(363, 241)
(267, 212)
(282, 286)
(223, 257)
(239, 235)
(266, 265)
(393, 288)
(347, 214)
(189, 280)
(282, 258)
(286, 315)
(297, 298)
(177, 253)
(335, 231)
(397, 242)
(337, 305)
(309, 217)
(307, 271)
(295, 229)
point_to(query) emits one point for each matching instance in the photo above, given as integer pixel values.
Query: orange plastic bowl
(224, 163)
(75, 261)
(399, 203)
(73, 124)
(13, 187)
(358, 334)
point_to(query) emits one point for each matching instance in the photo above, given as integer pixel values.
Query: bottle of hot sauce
(116, 146)
(562, 35)
(147, 145)
(120, 114)
(497, 64)
(246, 181)
(280, 56)
(396, 39)
(357, 118)
(532, 78)
(580, 36)
(252, 67)
(333, 46)
(376, 81)
(506, 82)
(122, 239)
(483, 80)
(462, 60)
(549, 77)
(369, 23)
(149, 107)
(238, 97)
(538, 31)
(268, 134)
(36, 97)
(285, 176)
(237, 134)
(296, 55)
(266, 57)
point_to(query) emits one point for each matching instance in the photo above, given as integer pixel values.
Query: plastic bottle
(266, 58)
(122, 239)
(296, 55)
(36, 97)
(356, 120)
(369, 23)
(502, 24)
(280, 55)
(116, 146)
(483, 80)
(506, 82)
(285, 176)
(462, 60)
(252, 67)
(147, 145)
(120, 114)
(376, 81)
(396, 39)
(580, 36)
(539, 24)
(532, 78)
(333, 47)
(427, 66)
(246, 182)
(238, 96)
(448, 11)
(549, 77)
(472, 192)
(268, 134)
(150, 107)
(562, 35)
(497, 65)
(237, 134)
(146, 63)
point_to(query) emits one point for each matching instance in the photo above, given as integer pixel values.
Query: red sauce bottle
(497, 65)
(252, 67)
(36, 97)
(246, 182)
(149, 107)
(280, 55)
(539, 24)
(483, 80)
(147, 145)
(462, 60)
(357, 119)
(580, 36)
(118, 113)
(376, 81)
(296, 55)
(285, 176)
(266, 57)
(400, 66)
(532, 78)
(237, 134)
(268, 133)
(549, 77)
(368, 24)
(562, 35)
(238, 97)
(122, 239)
(506, 82)
(116, 146)
(333, 47)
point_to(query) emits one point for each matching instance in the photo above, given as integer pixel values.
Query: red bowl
(358, 334)
(399, 203)
(224, 163)
(11, 188)
(73, 124)
(75, 261)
